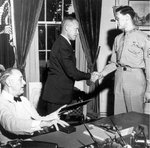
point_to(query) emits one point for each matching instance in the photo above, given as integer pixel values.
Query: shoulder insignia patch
(148, 37)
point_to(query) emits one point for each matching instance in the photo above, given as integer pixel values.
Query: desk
(78, 139)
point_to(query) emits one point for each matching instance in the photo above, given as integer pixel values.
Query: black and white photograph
(74, 73)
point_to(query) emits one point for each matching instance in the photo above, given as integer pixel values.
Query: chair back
(34, 90)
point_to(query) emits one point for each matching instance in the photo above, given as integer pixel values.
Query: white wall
(106, 25)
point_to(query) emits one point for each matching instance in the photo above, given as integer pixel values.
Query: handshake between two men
(95, 76)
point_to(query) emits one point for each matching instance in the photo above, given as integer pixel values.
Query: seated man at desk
(17, 115)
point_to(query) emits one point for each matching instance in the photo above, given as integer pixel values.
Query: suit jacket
(62, 73)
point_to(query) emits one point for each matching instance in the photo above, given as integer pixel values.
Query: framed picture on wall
(142, 8)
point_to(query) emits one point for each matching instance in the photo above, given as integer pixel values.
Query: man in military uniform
(131, 60)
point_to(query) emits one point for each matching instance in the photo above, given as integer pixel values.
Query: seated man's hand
(60, 122)
(54, 123)
(54, 115)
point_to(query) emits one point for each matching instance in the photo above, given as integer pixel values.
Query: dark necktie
(17, 99)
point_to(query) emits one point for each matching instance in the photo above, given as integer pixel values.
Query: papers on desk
(126, 131)
(102, 134)
(98, 132)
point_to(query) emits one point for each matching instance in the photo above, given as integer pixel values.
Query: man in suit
(62, 74)
(17, 114)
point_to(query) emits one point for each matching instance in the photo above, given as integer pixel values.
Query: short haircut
(5, 74)
(126, 10)
(66, 19)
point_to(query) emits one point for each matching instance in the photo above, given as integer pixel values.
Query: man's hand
(101, 76)
(53, 116)
(54, 123)
(53, 119)
(60, 122)
(94, 76)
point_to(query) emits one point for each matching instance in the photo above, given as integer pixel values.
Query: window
(49, 27)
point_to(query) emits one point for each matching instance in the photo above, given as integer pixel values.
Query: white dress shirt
(17, 117)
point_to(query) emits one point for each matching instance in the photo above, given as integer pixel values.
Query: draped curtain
(26, 15)
(88, 13)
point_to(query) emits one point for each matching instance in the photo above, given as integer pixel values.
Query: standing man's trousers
(129, 89)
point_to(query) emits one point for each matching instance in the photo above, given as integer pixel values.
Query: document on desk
(98, 132)
(102, 134)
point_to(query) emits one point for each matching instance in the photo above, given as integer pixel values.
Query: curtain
(81, 62)
(32, 62)
(32, 71)
(88, 13)
(26, 15)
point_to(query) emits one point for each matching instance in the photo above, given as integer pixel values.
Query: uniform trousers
(129, 89)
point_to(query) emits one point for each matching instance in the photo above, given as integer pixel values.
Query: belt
(125, 68)
(128, 68)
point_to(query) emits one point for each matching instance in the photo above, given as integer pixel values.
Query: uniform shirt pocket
(135, 49)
